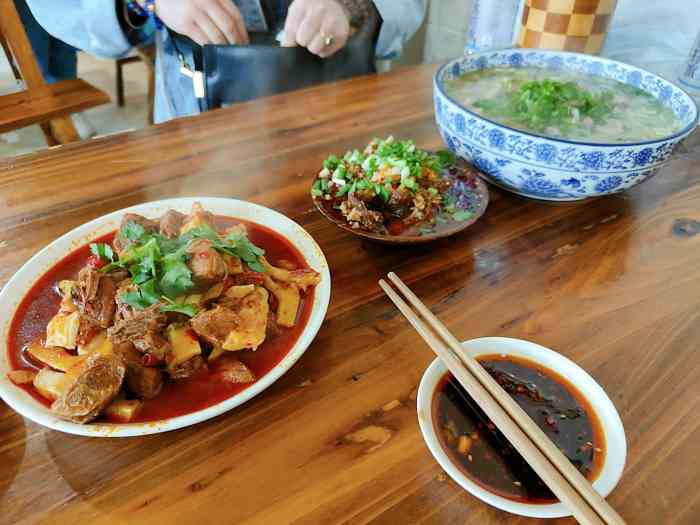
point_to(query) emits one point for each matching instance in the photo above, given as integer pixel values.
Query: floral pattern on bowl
(553, 168)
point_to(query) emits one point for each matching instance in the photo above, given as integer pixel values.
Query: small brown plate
(474, 197)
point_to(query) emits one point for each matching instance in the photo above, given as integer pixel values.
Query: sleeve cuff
(400, 20)
(105, 34)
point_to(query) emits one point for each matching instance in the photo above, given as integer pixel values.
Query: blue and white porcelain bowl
(553, 168)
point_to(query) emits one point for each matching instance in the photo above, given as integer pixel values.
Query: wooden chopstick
(550, 475)
(571, 488)
(540, 439)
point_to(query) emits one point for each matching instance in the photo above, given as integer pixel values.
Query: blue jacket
(93, 26)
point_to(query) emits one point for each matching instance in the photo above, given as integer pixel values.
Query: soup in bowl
(560, 126)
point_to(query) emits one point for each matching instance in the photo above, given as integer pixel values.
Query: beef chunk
(187, 368)
(230, 370)
(170, 223)
(87, 329)
(272, 329)
(143, 381)
(213, 293)
(214, 325)
(142, 328)
(207, 265)
(422, 208)
(121, 243)
(198, 218)
(400, 202)
(357, 214)
(97, 383)
(94, 296)
(118, 275)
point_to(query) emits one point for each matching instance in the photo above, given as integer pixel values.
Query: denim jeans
(57, 60)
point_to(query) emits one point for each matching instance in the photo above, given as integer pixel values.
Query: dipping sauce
(485, 456)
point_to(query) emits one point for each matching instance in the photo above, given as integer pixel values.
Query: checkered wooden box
(566, 25)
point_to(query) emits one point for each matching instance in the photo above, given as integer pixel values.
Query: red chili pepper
(396, 227)
(149, 360)
(95, 261)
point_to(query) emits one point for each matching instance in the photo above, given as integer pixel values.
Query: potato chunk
(99, 343)
(67, 304)
(50, 384)
(123, 410)
(288, 300)
(21, 377)
(240, 291)
(198, 218)
(62, 330)
(56, 358)
(184, 344)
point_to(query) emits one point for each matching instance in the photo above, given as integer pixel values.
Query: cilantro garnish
(540, 104)
(133, 231)
(188, 309)
(158, 265)
(103, 251)
(462, 215)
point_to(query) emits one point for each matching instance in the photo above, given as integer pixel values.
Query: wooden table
(613, 283)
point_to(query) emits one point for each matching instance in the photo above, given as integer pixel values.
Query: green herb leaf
(143, 297)
(446, 158)
(132, 231)
(103, 251)
(331, 163)
(177, 277)
(202, 232)
(149, 291)
(546, 103)
(462, 215)
(188, 309)
(343, 190)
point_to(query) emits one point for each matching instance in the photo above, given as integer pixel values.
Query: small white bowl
(616, 444)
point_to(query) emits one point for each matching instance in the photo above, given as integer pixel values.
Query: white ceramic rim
(613, 430)
(15, 289)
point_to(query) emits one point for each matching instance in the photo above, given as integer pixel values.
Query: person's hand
(321, 26)
(204, 21)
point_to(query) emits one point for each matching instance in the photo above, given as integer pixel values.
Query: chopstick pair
(562, 478)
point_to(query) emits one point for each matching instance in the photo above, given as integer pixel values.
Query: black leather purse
(226, 74)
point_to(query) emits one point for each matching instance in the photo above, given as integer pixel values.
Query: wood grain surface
(613, 283)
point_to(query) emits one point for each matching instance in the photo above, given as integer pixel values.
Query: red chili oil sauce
(486, 456)
(178, 397)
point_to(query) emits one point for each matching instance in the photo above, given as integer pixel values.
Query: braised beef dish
(161, 318)
(394, 188)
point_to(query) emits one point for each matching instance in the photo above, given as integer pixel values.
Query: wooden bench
(49, 105)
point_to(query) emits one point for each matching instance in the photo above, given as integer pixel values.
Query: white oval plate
(613, 430)
(22, 281)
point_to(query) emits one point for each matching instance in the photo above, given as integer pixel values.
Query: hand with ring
(321, 26)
